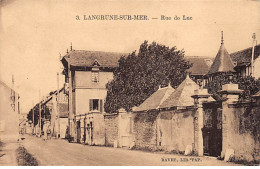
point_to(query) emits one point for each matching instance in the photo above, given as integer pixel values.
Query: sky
(34, 33)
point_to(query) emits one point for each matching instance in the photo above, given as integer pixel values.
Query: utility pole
(33, 119)
(40, 113)
(252, 59)
(58, 111)
(71, 111)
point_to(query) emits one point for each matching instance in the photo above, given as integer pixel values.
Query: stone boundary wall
(111, 129)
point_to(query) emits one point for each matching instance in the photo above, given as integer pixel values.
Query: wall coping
(110, 114)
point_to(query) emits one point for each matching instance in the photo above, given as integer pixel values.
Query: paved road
(60, 152)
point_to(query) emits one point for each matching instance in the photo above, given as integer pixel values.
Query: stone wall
(111, 129)
(165, 130)
(236, 134)
(98, 129)
(145, 130)
(176, 130)
(91, 129)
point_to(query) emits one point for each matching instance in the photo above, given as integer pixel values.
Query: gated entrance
(212, 130)
(125, 130)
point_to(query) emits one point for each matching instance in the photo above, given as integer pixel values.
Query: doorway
(212, 129)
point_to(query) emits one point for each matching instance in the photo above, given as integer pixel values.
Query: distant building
(9, 113)
(57, 112)
(243, 61)
(200, 68)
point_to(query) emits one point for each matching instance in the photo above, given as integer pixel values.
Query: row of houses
(50, 116)
(185, 119)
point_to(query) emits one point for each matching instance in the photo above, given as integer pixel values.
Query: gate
(125, 130)
(89, 133)
(78, 131)
(212, 129)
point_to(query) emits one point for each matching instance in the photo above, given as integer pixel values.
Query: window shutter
(90, 104)
(101, 105)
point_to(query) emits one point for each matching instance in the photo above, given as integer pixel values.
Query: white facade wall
(257, 68)
(85, 89)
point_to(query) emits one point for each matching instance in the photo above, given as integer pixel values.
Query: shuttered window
(96, 105)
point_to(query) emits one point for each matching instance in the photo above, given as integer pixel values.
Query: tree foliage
(248, 84)
(44, 114)
(139, 75)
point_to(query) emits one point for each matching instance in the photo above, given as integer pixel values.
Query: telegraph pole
(33, 119)
(252, 59)
(58, 111)
(40, 113)
(71, 111)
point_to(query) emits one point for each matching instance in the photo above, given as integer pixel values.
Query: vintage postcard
(129, 83)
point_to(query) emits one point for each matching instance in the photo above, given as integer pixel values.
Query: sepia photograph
(129, 83)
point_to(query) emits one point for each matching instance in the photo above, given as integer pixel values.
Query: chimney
(71, 46)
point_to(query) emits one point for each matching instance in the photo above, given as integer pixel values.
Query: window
(96, 105)
(95, 76)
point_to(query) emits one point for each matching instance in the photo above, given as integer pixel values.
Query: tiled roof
(200, 65)
(84, 58)
(244, 56)
(222, 62)
(156, 99)
(181, 97)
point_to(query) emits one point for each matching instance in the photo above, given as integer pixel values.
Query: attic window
(95, 76)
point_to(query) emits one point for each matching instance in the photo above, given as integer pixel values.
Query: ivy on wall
(249, 85)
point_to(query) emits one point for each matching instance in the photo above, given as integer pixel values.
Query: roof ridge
(82, 50)
(4, 84)
(244, 49)
(164, 96)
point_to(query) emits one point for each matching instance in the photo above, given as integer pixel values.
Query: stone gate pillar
(200, 96)
(230, 94)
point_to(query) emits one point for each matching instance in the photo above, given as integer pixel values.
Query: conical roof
(156, 99)
(181, 97)
(222, 62)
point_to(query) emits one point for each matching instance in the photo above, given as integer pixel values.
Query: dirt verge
(24, 158)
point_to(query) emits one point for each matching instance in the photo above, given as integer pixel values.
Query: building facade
(243, 61)
(9, 113)
(86, 74)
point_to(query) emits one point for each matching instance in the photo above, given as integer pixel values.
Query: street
(61, 153)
